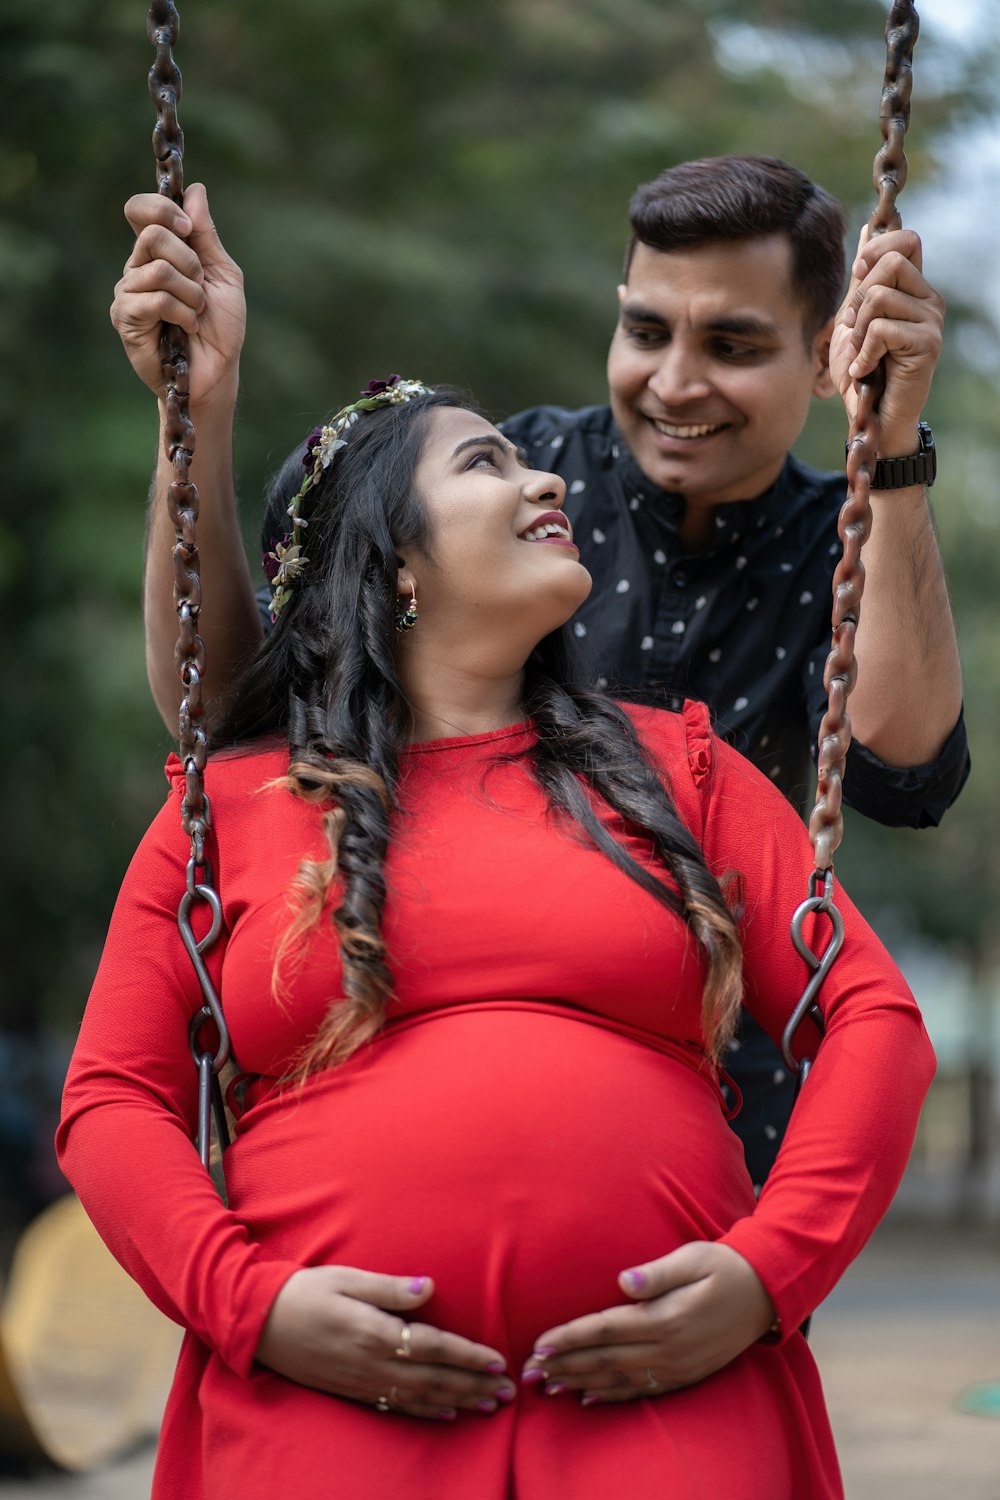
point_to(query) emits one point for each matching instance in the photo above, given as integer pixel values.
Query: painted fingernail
(555, 1388)
(448, 1414)
(496, 1367)
(486, 1405)
(544, 1351)
(531, 1377)
(417, 1285)
(591, 1401)
(635, 1280)
(506, 1393)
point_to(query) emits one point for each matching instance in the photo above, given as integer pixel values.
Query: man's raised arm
(909, 693)
(179, 273)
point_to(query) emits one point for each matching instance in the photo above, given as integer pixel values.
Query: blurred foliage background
(438, 187)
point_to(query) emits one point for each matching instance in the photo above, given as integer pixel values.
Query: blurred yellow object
(85, 1359)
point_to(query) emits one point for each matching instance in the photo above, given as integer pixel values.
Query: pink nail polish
(506, 1393)
(448, 1414)
(634, 1280)
(555, 1387)
(417, 1285)
(591, 1401)
(531, 1377)
(544, 1351)
(496, 1367)
(486, 1406)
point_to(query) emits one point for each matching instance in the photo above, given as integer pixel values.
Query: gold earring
(405, 619)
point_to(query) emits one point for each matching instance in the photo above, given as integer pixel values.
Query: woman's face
(500, 552)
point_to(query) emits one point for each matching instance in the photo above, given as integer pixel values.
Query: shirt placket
(669, 649)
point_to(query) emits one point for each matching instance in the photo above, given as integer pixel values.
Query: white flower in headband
(285, 562)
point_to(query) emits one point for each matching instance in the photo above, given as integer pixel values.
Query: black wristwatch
(918, 468)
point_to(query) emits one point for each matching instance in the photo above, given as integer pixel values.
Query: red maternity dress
(535, 1117)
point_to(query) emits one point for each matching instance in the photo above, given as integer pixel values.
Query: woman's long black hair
(326, 679)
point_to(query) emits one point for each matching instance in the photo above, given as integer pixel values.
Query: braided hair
(326, 681)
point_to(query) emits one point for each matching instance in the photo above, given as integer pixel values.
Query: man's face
(709, 369)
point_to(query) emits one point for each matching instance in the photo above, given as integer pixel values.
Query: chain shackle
(818, 902)
(826, 823)
(163, 28)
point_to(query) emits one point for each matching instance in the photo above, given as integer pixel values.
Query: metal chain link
(826, 823)
(162, 27)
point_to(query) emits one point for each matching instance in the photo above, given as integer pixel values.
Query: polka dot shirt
(744, 625)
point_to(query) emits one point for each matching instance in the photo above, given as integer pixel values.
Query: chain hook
(820, 903)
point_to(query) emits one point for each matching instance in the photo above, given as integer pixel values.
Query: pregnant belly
(520, 1157)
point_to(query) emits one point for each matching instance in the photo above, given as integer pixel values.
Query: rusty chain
(826, 823)
(162, 27)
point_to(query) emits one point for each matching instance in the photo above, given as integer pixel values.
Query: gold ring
(403, 1350)
(382, 1404)
(651, 1380)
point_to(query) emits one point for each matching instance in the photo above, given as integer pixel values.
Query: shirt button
(680, 579)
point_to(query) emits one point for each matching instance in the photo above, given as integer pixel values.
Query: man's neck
(696, 524)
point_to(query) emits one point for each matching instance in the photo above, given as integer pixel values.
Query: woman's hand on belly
(349, 1333)
(695, 1311)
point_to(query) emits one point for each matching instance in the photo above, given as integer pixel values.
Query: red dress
(535, 1117)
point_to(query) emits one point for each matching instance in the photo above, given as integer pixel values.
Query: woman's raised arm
(179, 272)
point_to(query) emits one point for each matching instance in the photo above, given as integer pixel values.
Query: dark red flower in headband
(272, 561)
(312, 443)
(376, 387)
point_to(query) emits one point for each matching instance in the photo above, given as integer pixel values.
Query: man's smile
(687, 430)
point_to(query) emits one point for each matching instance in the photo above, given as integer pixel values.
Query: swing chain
(163, 27)
(826, 823)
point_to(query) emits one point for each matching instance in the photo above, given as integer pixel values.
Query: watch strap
(915, 468)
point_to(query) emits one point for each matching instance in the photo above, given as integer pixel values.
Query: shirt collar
(656, 508)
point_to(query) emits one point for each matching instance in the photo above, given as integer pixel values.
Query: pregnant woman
(487, 1233)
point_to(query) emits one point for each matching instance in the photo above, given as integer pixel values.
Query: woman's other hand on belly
(695, 1310)
(350, 1333)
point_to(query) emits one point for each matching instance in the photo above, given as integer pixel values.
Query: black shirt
(744, 625)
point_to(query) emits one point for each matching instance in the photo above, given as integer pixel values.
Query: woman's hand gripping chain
(694, 1311)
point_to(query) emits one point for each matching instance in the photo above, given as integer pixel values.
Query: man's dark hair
(744, 198)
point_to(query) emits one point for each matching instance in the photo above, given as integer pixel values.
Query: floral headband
(285, 562)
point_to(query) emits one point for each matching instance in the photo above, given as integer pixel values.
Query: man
(711, 548)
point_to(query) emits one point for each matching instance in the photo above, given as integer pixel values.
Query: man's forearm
(229, 622)
(909, 690)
